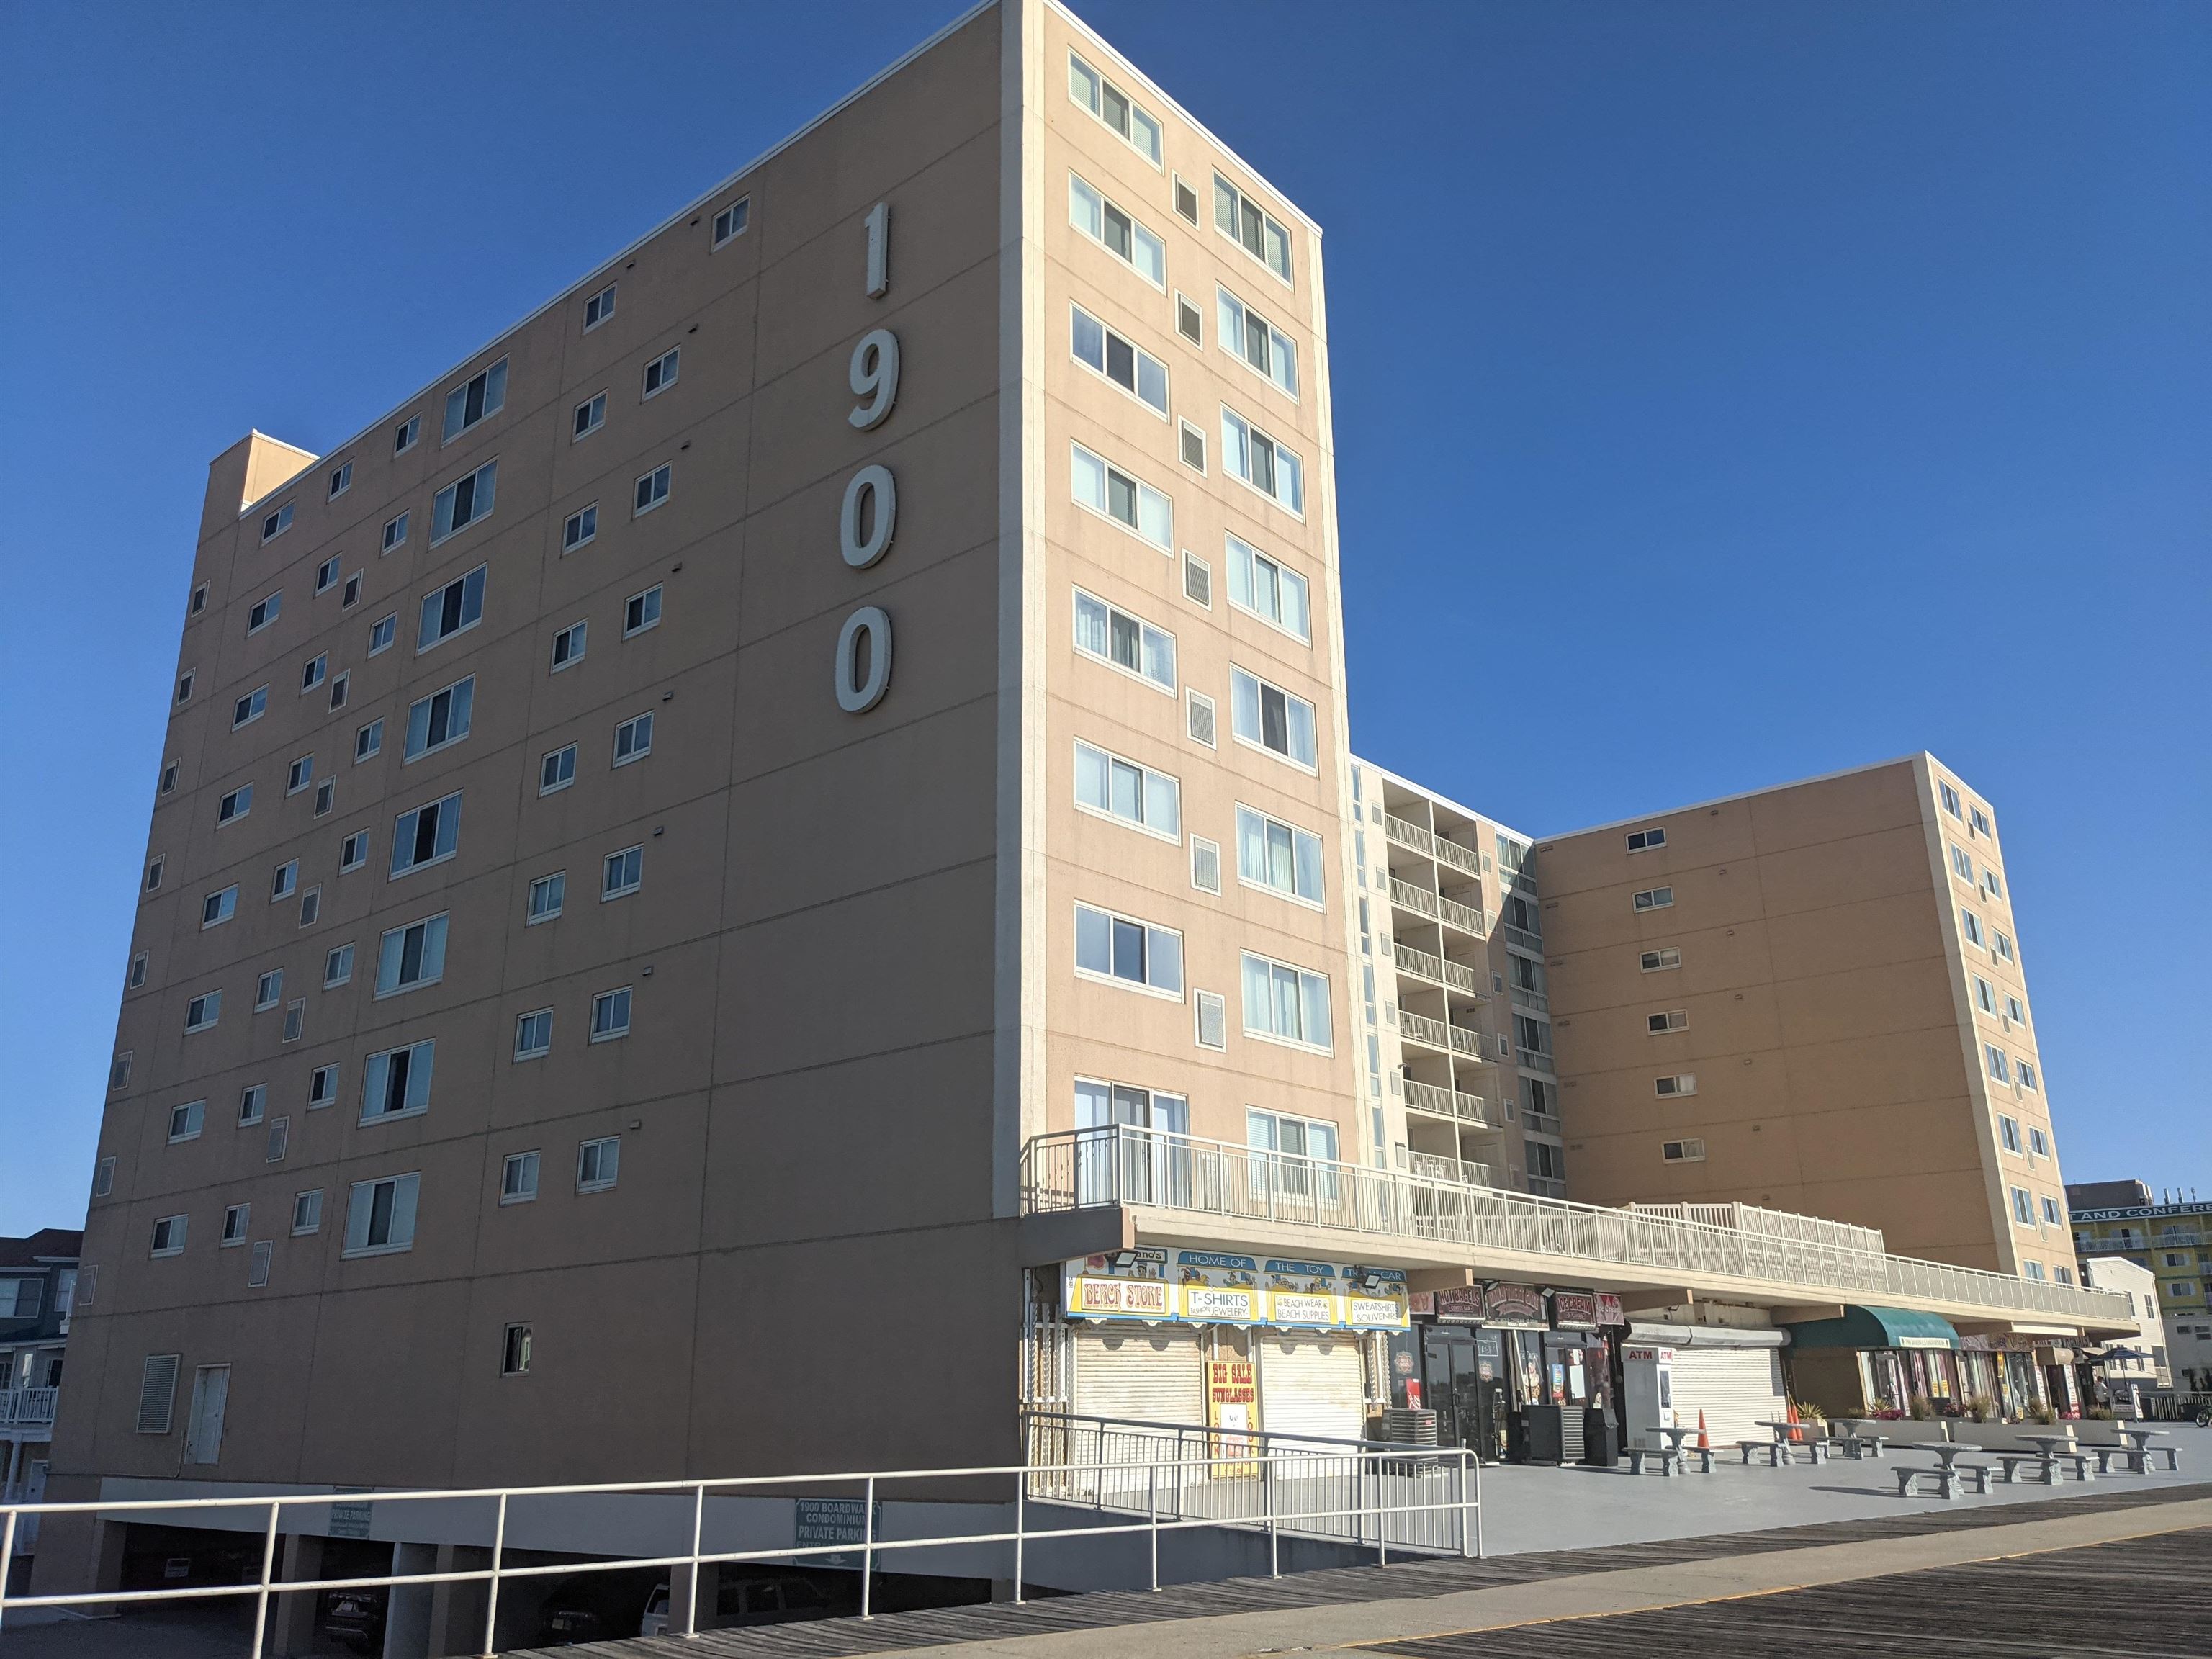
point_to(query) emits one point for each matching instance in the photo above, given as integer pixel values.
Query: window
(466, 500)
(1276, 855)
(322, 1086)
(660, 372)
(1272, 592)
(624, 873)
(264, 612)
(2015, 1010)
(353, 852)
(1684, 1083)
(1950, 798)
(1654, 961)
(397, 1083)
(453, 609)
(257, 1275)
(326, 575)
(598, 1163)
(1986, 996)
(1286, 1002)
(568, 645)
(203, 1012)
(276, 523)
(1121, 360)
(633, 740)
(428, 835)
(103, 1182)
(1994, 1057)
(641, 611)
(1199, 723)
(1971, 925)
(2026, 1072)
(1107, 490)
(169, 1236)
(2003, 947)
(1193, 450)
(137, 975)
(220, 907)
(2038, 1143)
(199, 601)
(341, 688)
(1290, 1137)
(1674, 1019)
(475, 399)
(154, 873)
(1120, 948)
(412, 956)
(1205, 864)
(351, 596)
(591, 415)
(441, 718)
(185, 1121)
(404, 435)
(184, 686)
(557, 770)
(1654, 898)
(1270, 718)
(307, 1211)
(2051, 1214)
(301, 775)
(381, 633)
(1190, 321)
(250, 708)
(517, 1178)
(312, 671)
(1213, 1019)
(514, 1352)
(581, 527)
(1258, 233)
(1961, 866)
(598, 308)
(1683, 1151)
(2064, 1275)
(1116, 232)
(381, 1215)
(1128, 790)
(235, 1220)
(651, 490)
(1643, 840)
(534, 1035)
(1250, 454)
(1258, 343)
(2008, 1133)
(168, 785)
(311, 906)
(1981, 822)
(2023, 1207)
(395, 532)
(269, 990)
(730, 222)
(368, 740)
(1128, 641)
(546, 894)
(1114, 107)
(610, 1015)
(337, 967)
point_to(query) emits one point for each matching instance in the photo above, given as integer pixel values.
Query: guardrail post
(1268, 1494)
(868, 1542)
(1478, 1507)
(1152, 1515)
(268, 1561)
(1020, 1493)
(1465, 1521)
(691, 1593)
(491, 1586)
(1382, 1513)
(7, 1556)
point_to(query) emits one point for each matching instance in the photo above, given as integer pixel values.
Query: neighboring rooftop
(48, 1247)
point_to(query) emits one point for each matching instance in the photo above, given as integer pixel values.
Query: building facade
(1810, 997)
(2170, 1237)
(38, 1291)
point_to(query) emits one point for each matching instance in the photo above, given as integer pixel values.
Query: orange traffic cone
(1704, 1443)
(1796, 1433)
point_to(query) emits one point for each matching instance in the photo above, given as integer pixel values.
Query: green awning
(1874, 1328)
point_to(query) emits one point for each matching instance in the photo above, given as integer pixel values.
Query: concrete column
(457, 1611)
(78, 1553)
(407, 1623)
(291, 1618)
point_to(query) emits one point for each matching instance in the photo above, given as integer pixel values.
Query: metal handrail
(1462, 1501)
(1119, 1164)
(21, 1405)
(1448, 1103)
(1404, 893)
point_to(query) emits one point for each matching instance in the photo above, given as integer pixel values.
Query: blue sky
(1725, 393)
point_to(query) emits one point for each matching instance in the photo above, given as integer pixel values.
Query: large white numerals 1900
(869, 513)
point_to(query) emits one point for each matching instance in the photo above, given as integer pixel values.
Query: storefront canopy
(1874, 1328)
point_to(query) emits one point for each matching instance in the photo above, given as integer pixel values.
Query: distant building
(2118, 1218)
(38, 1283)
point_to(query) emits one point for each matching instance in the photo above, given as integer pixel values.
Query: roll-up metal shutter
(1735, 1388)
(1310, 1382)
(1147, 1373)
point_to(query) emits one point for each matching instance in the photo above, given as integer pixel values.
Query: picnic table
(2139, 1449)
(1673, 1455)
(1949, 1451)
(2050, 1451)
(1788, 1435)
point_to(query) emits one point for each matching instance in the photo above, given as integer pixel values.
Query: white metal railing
(1463, 917)
(1419, 963)
(1408, 834)
(1425, 1500)
(24, 1406)
(1446, 1102)
(1437, 1167)
(1422, 1029)
(1464, 1042)
(1119, 1164)
(1774, 1223)
(1404, 893)
(1462, 859)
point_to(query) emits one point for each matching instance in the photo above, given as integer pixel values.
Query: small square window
(283, 880)
(341, 689)
(1200, 724)
(326, 796)
(1212, 1020)
(307, 1211)
(118, 1072)
(1186, 200)
(199, 600)
(557, 770)
(651, 491)
(353, 852)
(633, 740)
(381, 633)
(598, 1163)
(568, 646)
(641, 611)
(534, 1035)
(301, 775)
(404, 435)
(184, 686)
(730, 223)
(1190, 321)
(276, 523)
(660, 372)
(598, 308)
(517, 1178)
(1205, 864)
(264, 612)
(234, 805)
(203, 1012)
(311, 907)
(154, 874)
(337, 966)
(351, 596)
(515, 1351)
(368, 740)
(1194, 447)
(1197, 580)
(278, 1142)
(313, 671)
(252, 1102)
(591, 415)
(610, 1015)
(322, 1087)
(295, 1018)
(185, 1121)
(624, 874)
(395, 532)
(326, 575)
(169, 779)
(138, 977)
(547, 895)
(581, 527)
(234, 1219)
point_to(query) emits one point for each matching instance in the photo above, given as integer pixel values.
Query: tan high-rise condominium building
(1809, 997)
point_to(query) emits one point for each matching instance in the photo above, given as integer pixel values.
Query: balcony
(1215, 1191)
(1437, 1033)
(1438, 971)
(28, 1409)
(1430, 1167)
(1464, 917)
(1410, 897)
(1446, 1102)
(1408, 833)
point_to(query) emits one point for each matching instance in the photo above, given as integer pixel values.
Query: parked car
(592, 1607)
(354, 1618)
(749, 1599)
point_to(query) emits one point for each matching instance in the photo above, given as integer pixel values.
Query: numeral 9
(874, 375)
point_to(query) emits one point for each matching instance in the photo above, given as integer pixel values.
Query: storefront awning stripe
(1875, 1328)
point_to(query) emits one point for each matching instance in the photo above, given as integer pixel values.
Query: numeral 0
(874, 374)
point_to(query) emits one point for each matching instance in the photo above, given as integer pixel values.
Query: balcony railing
(1412, 897)
(1534, 1060)
(1118, 1164)
(1438, 970)
(1432, 1167)
(1535, 1000)
(1408, 834)
(1445, 1102)
(1463, 858)
(1533, 943)
(1541, 1123)
(23, 1407)
(1465, 917)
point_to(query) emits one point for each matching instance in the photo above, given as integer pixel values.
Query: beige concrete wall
(1836, 1053)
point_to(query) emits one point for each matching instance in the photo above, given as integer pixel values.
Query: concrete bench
(1816, 1451)
(1857, 1446)
(1771, 1448)
(1946, 1482)
(1666, 1461)
(2046, 1464)
(2137, 1458)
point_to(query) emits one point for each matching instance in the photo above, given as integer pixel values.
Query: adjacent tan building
(1809, 997)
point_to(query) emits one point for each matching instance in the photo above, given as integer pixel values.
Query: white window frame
(256, 704)
(731, 222)
(471, 584)
(1248, 961)
(170, 1232)
(527, 1025)
(337, 966)
(555, 886)
(460, 695)
(269, 608)
(483, 498)
(618, 996)
(326, 573)
(307, 1212)
(670, 366)
(276, 523)
(435, 929)
(494, 376)
(1149, 779)
(237, 1222)
(187, 1120)
(1675, 1086)
(1244, 559)
(368, 740)
(395, 534)
(406, 829)
(1152, 934)
(650, 490)
(1233, 319)
(1652, 898)
(360, 1200)
(1656, 962)
(376, 1081)
(1147, 632)
(1096, 90)
(353, 852)
(1081, 463)
(383, 633)
(1239, 435)
(630, 878)
(569, 644)
(1197, 700)
(606, 1165)
(1245, 203)
(561, 760)
(1238, 677)
(523, 1190)
(268, 990)
(580, 528)
(203, 1012)
(599, 306)
(1139, 358)
(636, 723)
(1301, 839)
(588, 417)
(1086, 201)
(645, 598)
(225, 901)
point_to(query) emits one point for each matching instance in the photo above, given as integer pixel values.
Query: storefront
(1874, 1361)
(1235, 1342)
(1726, 1377)
(1481, 1355)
